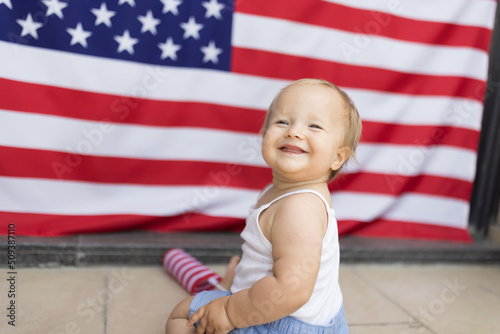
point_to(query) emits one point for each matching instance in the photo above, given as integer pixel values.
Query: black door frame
(485, 198)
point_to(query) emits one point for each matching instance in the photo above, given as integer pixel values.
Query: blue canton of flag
(163, 32)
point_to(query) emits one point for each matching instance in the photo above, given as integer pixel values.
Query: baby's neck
(286, 186)
(279, 188)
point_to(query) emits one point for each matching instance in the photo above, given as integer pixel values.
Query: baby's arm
(298, 226)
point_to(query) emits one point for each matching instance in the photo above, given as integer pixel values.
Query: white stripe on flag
(193, 144)
(408, 110)
(128, 141)
(408, 160)
(30, 64)
(474, 13)
(409, 207)
(44, 196)
(305, 40)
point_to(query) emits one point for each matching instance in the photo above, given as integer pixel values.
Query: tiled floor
(400, 299)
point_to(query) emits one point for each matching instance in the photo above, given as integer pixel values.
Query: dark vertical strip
(486, 192)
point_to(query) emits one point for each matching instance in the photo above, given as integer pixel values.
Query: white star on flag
(103, 15)
(191, 28)
(6, 3)
(171, 6)
(55, 7)
(213, 9)
(169, 49)
(78, 35)
(211, 53)
(130, 2)
(126, 43)
(149, 23)
(29, 26)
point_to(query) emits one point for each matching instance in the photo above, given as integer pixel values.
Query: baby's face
(304, 138)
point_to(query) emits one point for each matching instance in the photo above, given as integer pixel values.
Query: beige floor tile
(218, 268)
(412, 328)
(54, 301)
(365, 305)
(143, 302)
(447, 299)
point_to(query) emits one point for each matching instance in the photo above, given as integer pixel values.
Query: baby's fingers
(196, 316)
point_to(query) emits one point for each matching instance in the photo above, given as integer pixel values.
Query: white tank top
(257, 262)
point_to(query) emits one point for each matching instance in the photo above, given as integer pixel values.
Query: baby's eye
(315, 126)
(281, 122)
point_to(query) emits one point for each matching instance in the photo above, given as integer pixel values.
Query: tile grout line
(371, 284)
(106, 300)
(382, 324)
(488, 291)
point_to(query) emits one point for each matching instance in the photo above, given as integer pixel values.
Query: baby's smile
(292, 149)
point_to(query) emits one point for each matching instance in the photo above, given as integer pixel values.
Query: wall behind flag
(131, 114)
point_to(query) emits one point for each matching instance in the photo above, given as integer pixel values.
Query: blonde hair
(353, 124)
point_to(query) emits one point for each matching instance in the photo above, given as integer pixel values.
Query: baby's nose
(295, 132)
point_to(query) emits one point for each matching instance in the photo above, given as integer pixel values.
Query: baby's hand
(213, 318)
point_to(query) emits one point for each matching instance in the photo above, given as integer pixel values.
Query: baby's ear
(343, 154)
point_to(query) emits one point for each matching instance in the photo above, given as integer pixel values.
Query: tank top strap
(300, 191)
(269, 186)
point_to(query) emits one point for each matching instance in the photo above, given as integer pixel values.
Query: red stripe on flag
(403, 230)
(293, 67)
(390, 184)
(369, 22)
(68, 166)
(419, 135)
(119, 109)
(55, 225)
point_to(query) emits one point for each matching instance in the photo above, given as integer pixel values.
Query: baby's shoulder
(302, 213)
(301, 203)
(309, 196)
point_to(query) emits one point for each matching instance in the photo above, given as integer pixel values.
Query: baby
(287, 279)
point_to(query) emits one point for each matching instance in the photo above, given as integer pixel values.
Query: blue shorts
(287, 325)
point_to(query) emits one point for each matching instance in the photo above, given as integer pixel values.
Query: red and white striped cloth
(189, 272)
(92, 143)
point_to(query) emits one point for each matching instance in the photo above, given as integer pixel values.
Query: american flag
(126, 114)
